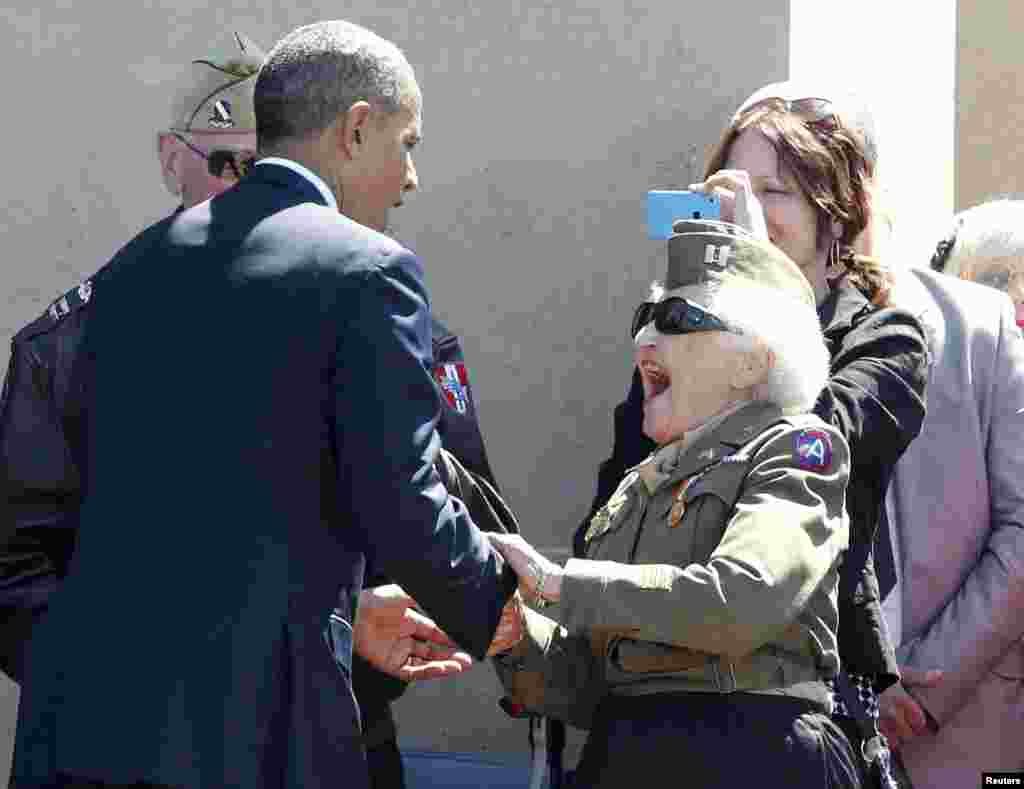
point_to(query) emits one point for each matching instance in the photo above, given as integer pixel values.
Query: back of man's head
(317, 72)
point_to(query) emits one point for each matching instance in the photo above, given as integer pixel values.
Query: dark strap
(873, 747)
(865, 723)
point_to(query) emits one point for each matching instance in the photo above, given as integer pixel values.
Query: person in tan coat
(702, 622)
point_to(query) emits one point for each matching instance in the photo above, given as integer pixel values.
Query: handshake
(397, 639)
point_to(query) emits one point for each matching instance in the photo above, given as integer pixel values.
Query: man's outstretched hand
(398, 640)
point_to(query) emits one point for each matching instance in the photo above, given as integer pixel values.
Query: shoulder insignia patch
(70, 301)
(813, 449)
(454, 384)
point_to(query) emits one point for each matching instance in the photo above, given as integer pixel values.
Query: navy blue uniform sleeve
(39, 498)
(387, 407)
(38, 480)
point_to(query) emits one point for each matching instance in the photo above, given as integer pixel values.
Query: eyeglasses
(237, 163)
(813, 111)
(677, 316)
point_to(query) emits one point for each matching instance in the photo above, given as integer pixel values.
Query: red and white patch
(454, 383)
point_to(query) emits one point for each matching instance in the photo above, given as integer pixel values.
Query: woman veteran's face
(689, 378)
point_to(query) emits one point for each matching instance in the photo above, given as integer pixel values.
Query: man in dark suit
(259, 415)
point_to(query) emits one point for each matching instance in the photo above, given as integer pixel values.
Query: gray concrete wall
(990, 105)
(873, 52)
(545, 123)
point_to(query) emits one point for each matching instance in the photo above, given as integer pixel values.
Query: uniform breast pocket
(703, 525)
(708, 505)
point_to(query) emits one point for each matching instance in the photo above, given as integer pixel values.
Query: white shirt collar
(306, 173)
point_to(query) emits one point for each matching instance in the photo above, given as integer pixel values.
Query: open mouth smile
(655, 378)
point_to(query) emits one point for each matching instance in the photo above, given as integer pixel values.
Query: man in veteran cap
(208, 144)
(700, 621)
(210, 141)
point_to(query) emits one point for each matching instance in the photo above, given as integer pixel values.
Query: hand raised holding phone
(665, 207)
(739, 205)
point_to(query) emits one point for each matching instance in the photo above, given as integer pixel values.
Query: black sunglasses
(237, 163)
(675, 315)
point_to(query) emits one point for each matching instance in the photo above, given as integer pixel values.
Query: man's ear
(352, 129)
(751, 366)
(169, 153)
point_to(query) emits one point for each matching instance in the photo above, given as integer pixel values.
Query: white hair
(786, 326)
(989, 231)
(789, 328)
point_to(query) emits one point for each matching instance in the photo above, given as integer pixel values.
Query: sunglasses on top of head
(223, 162)
(676, 315)
(815, 111)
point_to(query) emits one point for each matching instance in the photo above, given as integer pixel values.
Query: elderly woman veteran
(701, 625)
(805, 171)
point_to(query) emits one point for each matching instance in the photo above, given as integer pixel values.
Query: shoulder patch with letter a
(813, 450)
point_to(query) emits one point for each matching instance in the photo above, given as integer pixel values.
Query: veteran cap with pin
(214, 93)
(706, 254)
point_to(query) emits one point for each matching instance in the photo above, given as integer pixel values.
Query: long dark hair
(831, 167)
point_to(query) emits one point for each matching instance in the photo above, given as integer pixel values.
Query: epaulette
(72, 301)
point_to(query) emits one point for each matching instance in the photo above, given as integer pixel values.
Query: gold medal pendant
(675, 515)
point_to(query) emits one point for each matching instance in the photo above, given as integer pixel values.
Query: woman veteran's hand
(398, 640)
(539, 577)
(511, 627)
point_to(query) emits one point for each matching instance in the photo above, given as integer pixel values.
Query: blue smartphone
(665, 207)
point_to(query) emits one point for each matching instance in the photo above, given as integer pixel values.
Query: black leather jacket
(876, 398)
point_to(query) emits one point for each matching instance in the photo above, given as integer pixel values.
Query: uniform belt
(765, 669)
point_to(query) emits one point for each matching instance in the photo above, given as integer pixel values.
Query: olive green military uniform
(701, 623)
(712, 569)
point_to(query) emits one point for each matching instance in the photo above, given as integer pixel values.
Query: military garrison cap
(708, 254)
(215, 93)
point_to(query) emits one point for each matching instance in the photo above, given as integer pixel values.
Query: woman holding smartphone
(799, 167)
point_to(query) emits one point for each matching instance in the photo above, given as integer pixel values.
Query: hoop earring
(834, 268)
